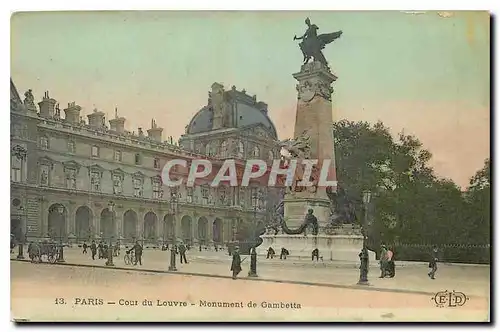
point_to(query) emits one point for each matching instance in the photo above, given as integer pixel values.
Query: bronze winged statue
(312, 44)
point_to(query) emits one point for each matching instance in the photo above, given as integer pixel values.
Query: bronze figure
(312, 44)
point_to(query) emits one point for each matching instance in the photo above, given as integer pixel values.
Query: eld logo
(450, 299)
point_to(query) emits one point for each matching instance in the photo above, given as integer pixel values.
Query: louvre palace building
(77, 177)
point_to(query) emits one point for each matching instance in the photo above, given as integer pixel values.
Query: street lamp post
(363, 269)
(60, 211)
(253, 253)
(173, 211)
(111, 209)
(20, 254)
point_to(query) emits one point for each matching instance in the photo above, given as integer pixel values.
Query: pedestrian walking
(93, 249)
(137, 248)
(236, 262)
(182, 252)
(383, 261)
(391, 266)
(433, 263)
(85, 246)
(100, 250)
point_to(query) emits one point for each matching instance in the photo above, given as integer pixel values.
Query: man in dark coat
(284, 253)
(315, 254)
(182, 252)
(270, 253)
(137, 248)
(312, 222)
(93, 249)
(433, 263)
(100, 248)
(236, 263)
(85, 246)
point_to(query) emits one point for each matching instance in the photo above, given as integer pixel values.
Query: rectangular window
(137, 159)
(95, 151)
(189, 195)
(16, 169)
(255, 197)
(118, 155)
(71, 147)
(44, 142)
(117, 184)
(204, 195)
(44, 175)
(95, 181)
(71, 178)
(16, 130)
(156, 163)
(241, 197)
(137, 187)
(223, 196)
(157, 191)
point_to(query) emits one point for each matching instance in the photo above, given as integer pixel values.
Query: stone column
(71, 215)
(210, 230)
(140, 225)
(177, 225)
(159, 226)
(194, 230)
(118, 216)
(44, 211)
(227, 230)
(94, 223)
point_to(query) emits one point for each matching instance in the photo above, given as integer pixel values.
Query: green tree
(410, 204)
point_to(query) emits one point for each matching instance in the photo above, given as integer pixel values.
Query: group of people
(271, 253)
(101, 250)
(387, 266)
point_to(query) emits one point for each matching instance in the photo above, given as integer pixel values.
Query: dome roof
(243, 111)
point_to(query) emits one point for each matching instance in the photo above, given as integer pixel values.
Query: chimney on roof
(47, 106)
(96, 119)
(72, 113)
(118, 123)
(154, 132)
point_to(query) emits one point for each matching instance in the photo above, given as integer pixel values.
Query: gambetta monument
(309, 217)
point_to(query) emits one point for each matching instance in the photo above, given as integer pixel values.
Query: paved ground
(36, 288)
(472, 280)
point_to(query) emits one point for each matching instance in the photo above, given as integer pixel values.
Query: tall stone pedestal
(344, 246)
(313, 120)
(314, 124)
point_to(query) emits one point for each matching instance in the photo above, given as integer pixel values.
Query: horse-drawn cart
(49, 250)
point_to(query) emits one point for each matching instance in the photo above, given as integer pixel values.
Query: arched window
(241, 150)
(223, 150)
(256, 152)
(207, 149)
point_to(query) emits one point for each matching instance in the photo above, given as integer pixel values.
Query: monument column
(313, 120)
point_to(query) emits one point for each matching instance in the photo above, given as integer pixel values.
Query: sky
(427, 74)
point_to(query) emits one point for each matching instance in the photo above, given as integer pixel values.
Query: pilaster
(70, 214)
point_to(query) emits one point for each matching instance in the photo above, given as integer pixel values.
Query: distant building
(76, 179)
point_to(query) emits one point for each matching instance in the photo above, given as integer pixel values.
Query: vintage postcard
(250, 166)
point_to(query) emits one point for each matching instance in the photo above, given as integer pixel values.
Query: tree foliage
(411, 207)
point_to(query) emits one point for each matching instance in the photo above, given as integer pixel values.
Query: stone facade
(78, 180)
